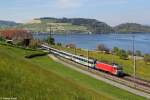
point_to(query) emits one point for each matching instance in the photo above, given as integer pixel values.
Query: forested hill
(132, 27)
(7, 24)
(89, 25)
(74, 25)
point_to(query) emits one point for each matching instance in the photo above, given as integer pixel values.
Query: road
(131, 90)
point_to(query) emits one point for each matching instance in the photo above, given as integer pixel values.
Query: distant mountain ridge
(92, 25)
(74, 25)
(132, 27)
(7, 24)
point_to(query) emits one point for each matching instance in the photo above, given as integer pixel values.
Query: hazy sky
(112, 12)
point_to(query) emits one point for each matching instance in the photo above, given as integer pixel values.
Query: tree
(2, 39)
(129, 52)
(71, 46)
(116, 50)
(59, 44)
(50, 40)
(123, 55)
(34, 44)
(147, 58)
(102, 47)
(138, 53)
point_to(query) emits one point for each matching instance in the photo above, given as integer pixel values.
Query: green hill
(132, 27)
(7, 24)
(26, 80)
(42, 78)
(67, 25)
(73, 25)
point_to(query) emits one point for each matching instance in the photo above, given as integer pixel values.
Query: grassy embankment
(41, 78)
(142, 69)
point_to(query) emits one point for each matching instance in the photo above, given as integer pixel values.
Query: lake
(85, 41)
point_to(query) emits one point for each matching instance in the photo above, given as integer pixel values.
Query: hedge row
(36, 54)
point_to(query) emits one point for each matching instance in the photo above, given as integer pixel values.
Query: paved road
(131, 90)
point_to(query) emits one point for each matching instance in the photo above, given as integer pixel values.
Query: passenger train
(114, 69)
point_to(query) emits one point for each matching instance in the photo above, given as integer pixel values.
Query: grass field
(41, 78)
(142, 69)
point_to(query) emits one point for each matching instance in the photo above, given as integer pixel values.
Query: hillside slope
(73, 25)
(132, 27)
(24, 80)
(43, 79)
(7, 24)
(68, 25)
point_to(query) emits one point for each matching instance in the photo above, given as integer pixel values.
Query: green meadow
(41, 78)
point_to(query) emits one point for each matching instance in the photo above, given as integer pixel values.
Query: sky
(113, 12)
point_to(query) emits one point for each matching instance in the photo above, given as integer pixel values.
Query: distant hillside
(132, 27)
(92, 25)
(73, 25)
(7, 24)
(68, 25)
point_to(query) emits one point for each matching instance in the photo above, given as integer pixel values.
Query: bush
(18, 43)
(102, 47)
(147, 58)
(71, 46)
(116, 50)
(123, 55)
(129, 52)
(34, 44)
(50, 40)
(59, 44)
(138, 53)
(2, 39)
(36, 54)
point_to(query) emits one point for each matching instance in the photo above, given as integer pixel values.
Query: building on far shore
(16, 35)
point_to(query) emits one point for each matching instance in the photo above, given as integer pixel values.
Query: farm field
(42, 78)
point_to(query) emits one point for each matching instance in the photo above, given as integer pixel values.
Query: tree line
(123, 54)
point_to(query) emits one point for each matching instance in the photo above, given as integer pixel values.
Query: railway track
(139, 84)
(138, 80)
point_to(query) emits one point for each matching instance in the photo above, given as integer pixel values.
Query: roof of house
(16, 34)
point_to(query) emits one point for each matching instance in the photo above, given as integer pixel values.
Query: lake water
(124, 41)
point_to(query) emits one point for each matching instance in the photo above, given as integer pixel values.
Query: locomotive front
(119, 69)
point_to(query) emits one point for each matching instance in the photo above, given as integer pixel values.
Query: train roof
(69, 53)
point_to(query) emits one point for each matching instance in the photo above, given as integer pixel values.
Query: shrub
(102, 47)
(36, 54)
(50, 40)
(129, 52)
(18, 43)
(34, 44)
(2, 39)
(116, 50)
(147, 58)
(138, 53)
(123, 55)
(71, 46)
(59, 44)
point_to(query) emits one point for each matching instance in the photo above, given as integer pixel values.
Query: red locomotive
(114, 69)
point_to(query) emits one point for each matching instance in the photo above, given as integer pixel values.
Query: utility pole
(112, 56)
(134, 58)
(88, 58)
(75, 51)
(50, 30)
